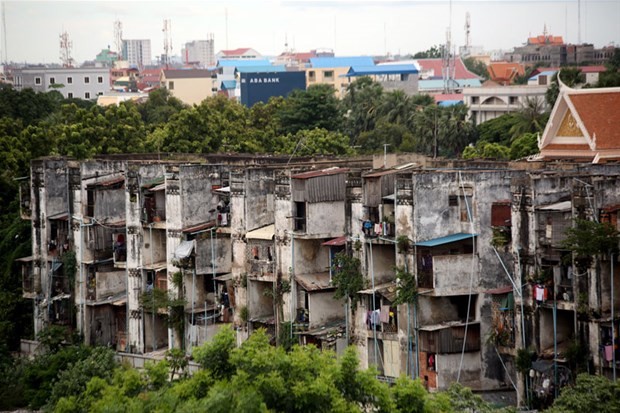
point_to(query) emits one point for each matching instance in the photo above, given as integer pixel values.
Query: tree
(442, 131)
(498, 130)
(476, 66)
(531, 118)
(587, 392)
(524, 146)
(360, 105)
(433, 53)
(315, 107)
(317, 142)
(159, 107)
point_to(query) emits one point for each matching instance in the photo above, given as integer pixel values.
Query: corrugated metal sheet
(500, 215)
(321, 188)
(266, 233)
(375, 188)
(450, 338)
(331, 62)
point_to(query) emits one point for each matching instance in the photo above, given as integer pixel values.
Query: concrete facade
(250, 242)
(486, 103)
(79, 83)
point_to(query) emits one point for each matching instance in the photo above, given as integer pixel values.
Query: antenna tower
(447, 66)
(65, 50)
(467, 31)
(167, 42)
(118, 38)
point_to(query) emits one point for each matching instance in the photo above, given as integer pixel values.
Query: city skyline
(347, 27)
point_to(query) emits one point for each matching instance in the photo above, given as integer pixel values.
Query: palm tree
(530, 119)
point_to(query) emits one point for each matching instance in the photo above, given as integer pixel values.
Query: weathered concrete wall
(311, 256)
(434, 310)
(155, 332)
(259, 198)
(110, 205)
(448, 369)
(323, 308)
(453, 274)
(381, 263)
(325, 219)
(198, 203)
(223, 254)
(154, 246)
(110, 283)
(260, 304)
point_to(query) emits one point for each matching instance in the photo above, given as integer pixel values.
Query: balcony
(448, 274)
(449, 337)
(261, 270)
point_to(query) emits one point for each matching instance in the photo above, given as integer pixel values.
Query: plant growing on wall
(403, 243)
(347, 277)
(276, 293)
(587, 239)
(406, 287)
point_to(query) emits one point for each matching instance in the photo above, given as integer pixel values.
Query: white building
(486, 103)
(82, 83)
(137, 52)
(200, 52)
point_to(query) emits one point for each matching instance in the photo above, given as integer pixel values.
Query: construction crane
(65, 50)
(167, 43)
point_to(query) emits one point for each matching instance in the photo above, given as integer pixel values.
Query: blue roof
(242, 62)
(261, 69)
(449, 102)
(445, 240)
(435, 84)
(545, 73)
(329, 62)
(229, 84)
(382, 70)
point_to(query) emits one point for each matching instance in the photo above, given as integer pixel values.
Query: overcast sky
(350, 27)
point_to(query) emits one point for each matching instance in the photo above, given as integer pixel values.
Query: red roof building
(432, 69)
(584, 125)
(504, 73)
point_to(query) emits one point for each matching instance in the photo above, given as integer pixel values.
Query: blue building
(260, 86)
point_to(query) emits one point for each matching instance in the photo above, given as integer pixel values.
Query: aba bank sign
(261, 80)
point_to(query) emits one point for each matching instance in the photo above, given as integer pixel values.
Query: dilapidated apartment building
(142, 255)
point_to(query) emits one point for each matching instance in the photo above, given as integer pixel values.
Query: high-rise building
(200, 52)
(137, 52)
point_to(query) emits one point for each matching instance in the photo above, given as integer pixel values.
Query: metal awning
(184, 250)
(387, 290)
(391, 197)
(335, 327)
(502, 290)
(121, 301)
(156, 266)
(314, 282)
(448, 324)
(336, 242)
(225, 190)
(224, 277)
(265, 233)
(160, 187)
(62, 216)
(435, 242)
(104, 261)
(563, 206)
(25, 259)
(200, 227)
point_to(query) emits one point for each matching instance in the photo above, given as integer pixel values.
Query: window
(99, 93)
(86, 79)
(466, 207)
(69, 80)
(453, 200)
(37, 80)
(70, 95)
(311, 76)
(87, 95)
(100, 79)
(52, 80)
(475, 100)
(328, 74)
(170, 85)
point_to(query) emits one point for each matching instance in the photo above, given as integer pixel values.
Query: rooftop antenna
(118, 38)
(167, 42)
(467, 31)
(447, 67)
(65, 50)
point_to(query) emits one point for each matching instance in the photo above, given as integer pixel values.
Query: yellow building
(190, 86)
(332, 71)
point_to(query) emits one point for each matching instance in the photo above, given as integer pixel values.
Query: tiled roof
(235, 52)
(329, 62)
(542, 39)
(505, 70)
(460, 71)
(599, 113)
(187, 74)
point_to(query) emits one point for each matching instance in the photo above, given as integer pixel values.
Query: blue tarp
(435, 242)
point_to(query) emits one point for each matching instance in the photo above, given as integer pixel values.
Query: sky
(349, 27)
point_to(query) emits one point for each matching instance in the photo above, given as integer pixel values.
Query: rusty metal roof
(323, 172)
